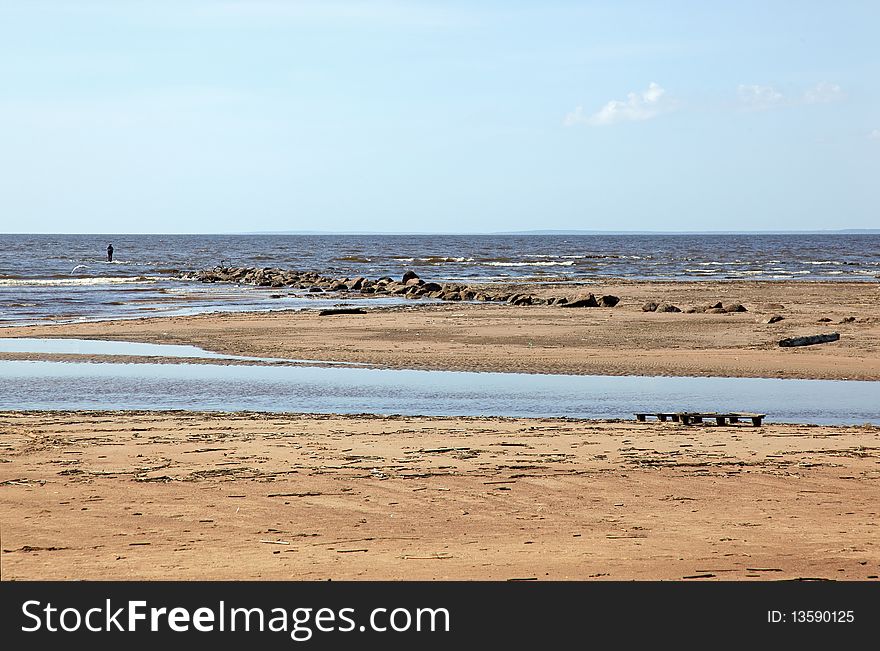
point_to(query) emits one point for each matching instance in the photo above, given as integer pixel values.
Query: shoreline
(143, 495)
(623, 340)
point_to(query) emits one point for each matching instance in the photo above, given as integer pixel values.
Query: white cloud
(874, 135)
(823, 93)
(636, 107)
(759, 97)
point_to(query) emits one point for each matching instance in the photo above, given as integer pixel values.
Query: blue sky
(235, 115)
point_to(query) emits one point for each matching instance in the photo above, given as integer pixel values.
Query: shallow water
(99, 347)
(61, 386)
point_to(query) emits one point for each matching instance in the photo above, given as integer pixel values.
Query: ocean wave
(352, 258)
(567, 263)
(822, 262)
(434, 259)
(74, 282)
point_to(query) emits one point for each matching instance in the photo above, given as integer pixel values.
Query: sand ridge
(622, 340)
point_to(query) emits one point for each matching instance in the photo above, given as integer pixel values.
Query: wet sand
(115, 495)
(622, 340)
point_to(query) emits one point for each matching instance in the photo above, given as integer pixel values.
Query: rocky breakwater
(409, 286)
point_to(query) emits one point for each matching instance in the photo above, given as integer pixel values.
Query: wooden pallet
(690, 417)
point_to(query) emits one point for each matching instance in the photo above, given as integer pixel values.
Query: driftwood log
(809, 341)
(341, 310)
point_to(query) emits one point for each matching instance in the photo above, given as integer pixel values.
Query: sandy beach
(134, 495)
(117, 495)
(622, 340)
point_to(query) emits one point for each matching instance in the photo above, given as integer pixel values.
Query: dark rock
(824, 319)
(848, 319)
(357, 283)
(667, 307)
(735, 307)
(770, 319)
(431, 287)
(608, 301)
(582, 301)
(650, 306)
(315, 289)
(409, 275)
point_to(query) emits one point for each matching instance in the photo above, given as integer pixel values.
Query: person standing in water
(109, 253)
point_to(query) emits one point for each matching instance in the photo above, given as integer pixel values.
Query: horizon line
(841, 231)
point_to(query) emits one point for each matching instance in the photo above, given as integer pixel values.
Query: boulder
(409, 275)
(588, 300)
(608, 301)
(715, 310)
(431, 287)
(735, 307)
(667, 307)
(357, 283)
(770, 319)
(650, 306)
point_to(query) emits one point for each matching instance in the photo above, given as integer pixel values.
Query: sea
(67, 278)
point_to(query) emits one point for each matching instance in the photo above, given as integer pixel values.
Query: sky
(189, 116)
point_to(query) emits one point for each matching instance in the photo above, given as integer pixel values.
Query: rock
(810, 340)
(824, 319)
(770, 319)
(409, 275)
(357, 283)
(582, 301)
(650, 306)
(772, 307)
(315, 289)
(667, 307)
(736, 307)
(431, 287)
(414, 281)
(608, 301)
(848, 319)
(715, 310)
